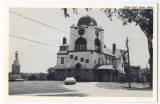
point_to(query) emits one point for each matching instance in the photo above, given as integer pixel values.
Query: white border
(81, 99)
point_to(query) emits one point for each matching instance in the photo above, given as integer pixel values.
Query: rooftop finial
(16, 55)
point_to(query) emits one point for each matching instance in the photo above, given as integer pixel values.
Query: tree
(50, 74)
(42, 76)
(33, 77)
(142, 17)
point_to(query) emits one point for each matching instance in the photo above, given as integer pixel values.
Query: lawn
(134, 86)
(32, 87)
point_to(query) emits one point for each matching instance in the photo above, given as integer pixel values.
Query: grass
(134, 86)
(32, 87)
(70, 95)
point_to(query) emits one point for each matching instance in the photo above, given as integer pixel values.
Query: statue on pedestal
(15, 74)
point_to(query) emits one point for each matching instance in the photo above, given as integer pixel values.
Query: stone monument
(15, 74)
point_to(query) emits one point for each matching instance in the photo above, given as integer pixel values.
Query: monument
(15, 74)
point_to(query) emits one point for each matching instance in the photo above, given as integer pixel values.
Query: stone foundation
(99, 75)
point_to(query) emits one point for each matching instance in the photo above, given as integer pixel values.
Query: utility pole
(129, 69)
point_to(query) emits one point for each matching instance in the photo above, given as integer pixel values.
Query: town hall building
(86, 57)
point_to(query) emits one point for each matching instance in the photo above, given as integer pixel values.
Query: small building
(86, 57)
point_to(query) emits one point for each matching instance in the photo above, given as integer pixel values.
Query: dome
(87, 20)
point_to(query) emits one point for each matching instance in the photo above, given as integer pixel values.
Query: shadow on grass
(68, 95)
(135, 86)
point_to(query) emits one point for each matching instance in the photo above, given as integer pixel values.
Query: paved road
(91, 89)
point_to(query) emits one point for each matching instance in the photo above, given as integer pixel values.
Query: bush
(33, 77)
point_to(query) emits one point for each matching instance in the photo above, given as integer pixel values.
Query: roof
(108, 51)
(118, 53)
(107, 67)
(67, 44)
(121, 71)
(87, 20)
(62, 52)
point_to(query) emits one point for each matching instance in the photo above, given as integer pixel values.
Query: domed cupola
(87, 20)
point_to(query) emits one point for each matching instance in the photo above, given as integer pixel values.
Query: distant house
(86, 57)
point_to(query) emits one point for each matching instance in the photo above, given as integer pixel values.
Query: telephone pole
(129, 69)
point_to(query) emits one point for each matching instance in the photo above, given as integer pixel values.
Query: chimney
(64, 40)
(114, 48)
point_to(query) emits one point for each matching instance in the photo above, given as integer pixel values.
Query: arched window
(81, 43)
(97, 44)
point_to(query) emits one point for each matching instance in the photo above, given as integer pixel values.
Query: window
(87, 61)
(107, 59)
(62, 60)
(81, 47)
(62, 48)
(81, 31)
(94, 61)
(82, 59)
(76, 58)
(122, 65)
(71, 56)
(98, 60)
(81, 43)
(111, 60)
(69, 70)
(97, 44)
(105, 56)
(84, 47)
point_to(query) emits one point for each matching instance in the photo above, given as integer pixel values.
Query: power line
(44, 24)
(32, 41)
(70, 17)
(38, 22)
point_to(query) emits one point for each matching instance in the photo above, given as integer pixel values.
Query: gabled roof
(108, 51)
(107, 67)
(67, 44)
(117, 53)
(63, 52)
(121, 71)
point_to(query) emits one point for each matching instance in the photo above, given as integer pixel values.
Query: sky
(35, 57)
